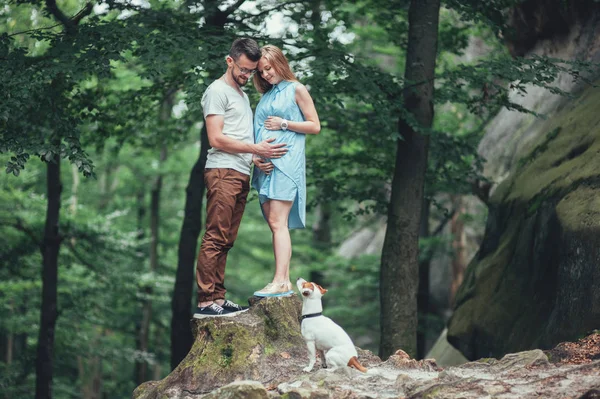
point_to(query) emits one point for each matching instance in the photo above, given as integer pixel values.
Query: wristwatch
(284, 124)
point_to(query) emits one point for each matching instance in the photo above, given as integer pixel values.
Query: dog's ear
(323, 290)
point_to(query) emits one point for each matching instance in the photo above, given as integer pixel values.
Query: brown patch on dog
(355, 364)
(308, 286)
(323, 290)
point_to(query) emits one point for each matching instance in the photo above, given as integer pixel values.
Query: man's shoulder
(218, 86)
(216, 93)
(221, 89)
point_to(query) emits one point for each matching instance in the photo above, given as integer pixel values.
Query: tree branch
(70, 27)
(70, 24)
(443, 223)
(242, 25)
(87, 10)
(84, 12)
(79, 257)
(32, 30)
(232, 8)
(263, 12)
(18, 225)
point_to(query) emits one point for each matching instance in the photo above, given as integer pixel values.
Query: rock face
(535, 281)
(511, 134)
(537, 21)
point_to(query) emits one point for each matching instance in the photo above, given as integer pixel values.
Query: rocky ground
(250, 357)
(574, 374)
(584, 351)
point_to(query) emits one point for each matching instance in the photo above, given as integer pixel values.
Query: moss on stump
(263, 344)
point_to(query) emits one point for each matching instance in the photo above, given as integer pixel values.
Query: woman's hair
(278, 62)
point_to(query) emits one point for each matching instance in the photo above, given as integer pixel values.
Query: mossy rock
(240, 390)
(263, 344)
(535, 281)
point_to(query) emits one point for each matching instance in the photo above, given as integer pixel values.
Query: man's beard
(239, 79)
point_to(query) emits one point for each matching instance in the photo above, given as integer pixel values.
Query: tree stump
(263, 344)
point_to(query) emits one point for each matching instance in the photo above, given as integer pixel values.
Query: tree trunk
(423, 290)
(166, 109)
(20, 350)
(322, 227)
(141, 215)
(459, 246)
(154, 241)
(144, 330)
(81, 371)
(50, 249)
(8, 340)
(321, 239)
(181, 334)
(9, 349)
(74, 190)
(104, 180)
(399, 263)
(90, 376)
(96, 383)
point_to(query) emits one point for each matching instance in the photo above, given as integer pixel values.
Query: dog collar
(306, 316)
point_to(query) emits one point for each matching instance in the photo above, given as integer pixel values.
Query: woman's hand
(263, 165)
(273, 123)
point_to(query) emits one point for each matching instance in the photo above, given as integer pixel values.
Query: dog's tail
(355, 364)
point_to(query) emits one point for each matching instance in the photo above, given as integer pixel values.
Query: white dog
(321, 333)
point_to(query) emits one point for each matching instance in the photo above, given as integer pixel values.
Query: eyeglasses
(244, 71)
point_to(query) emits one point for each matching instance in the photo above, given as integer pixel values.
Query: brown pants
(226, 194)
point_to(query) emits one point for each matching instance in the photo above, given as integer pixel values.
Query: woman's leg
(277, 213)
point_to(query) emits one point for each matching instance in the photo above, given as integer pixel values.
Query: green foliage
(491, 13)
(51, 94)
(352, 299)
(485, 86)
(128, 84)
(95, 290)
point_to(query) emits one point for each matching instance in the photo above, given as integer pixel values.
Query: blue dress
(287, 181)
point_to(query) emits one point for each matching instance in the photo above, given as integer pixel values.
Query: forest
(103, 146)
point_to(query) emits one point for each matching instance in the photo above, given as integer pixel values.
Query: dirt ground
(586, 350)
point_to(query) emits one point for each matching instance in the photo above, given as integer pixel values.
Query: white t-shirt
(222, 99)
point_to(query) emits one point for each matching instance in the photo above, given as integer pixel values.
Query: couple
(274, 143)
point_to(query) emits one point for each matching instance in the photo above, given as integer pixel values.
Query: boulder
(444, 353)
(239, 390)
(535, 281)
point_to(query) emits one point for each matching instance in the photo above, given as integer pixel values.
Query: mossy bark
(535, 281)
(399, 271)
(264, 344)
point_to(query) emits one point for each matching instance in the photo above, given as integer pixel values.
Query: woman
(286, 112)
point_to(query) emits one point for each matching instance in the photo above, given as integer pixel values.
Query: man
(228, 119)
